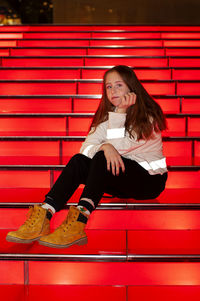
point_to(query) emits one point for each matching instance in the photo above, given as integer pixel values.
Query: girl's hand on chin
(127, 100)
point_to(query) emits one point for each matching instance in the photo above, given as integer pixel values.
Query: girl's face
(116, 88)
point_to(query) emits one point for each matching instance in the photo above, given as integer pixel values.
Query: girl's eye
(108, 87)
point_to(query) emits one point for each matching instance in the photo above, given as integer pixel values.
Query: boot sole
(19, 240)
(79, 242)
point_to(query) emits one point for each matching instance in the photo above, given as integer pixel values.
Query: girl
(122, 155)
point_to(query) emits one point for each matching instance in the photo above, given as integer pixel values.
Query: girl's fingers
(108, 164)
(116, 165)
(122, 164)
(117, 168)
(113, 168)
(128, 99)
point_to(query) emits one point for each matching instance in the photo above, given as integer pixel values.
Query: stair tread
(115, 242)
(36, 195)
(100, 242)
(122, 219)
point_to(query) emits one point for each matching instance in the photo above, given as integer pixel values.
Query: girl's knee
(99, 159)
(78, 158)
(99, 156)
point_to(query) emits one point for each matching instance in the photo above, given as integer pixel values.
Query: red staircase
(50, 86)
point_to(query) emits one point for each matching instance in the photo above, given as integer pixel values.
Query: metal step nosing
(63, 257)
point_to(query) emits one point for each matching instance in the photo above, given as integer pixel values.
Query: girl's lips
(115, 97)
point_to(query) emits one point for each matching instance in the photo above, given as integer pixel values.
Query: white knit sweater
(148, 153)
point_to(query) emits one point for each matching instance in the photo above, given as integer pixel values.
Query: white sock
(49, 207)
(83, 210)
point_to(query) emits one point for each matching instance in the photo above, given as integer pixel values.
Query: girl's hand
(113, 158)
(128, 100)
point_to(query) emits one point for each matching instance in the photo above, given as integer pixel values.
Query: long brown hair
(143, 117)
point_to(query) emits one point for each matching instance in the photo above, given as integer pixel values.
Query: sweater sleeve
(94, 140)
(113, 128)
(116, 125)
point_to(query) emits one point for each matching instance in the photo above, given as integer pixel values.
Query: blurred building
(100, 12)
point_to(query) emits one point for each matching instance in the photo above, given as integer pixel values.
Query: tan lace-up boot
(36, 225)
(70, 232)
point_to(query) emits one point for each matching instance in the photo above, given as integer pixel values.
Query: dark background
(103, 11)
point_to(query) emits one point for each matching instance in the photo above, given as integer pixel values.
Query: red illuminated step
(127, 51)
(190, 105)
(115, 273)
(37, 152)
(182, 35)
(56, 125)
(8, 43)
(57, 152)
(183, 51)
(25, 73)
(126, 42)
(70, 87)
(54, 43)
(37, 62)
(39, 88)
(184, 62)
(50, 126)
(84, 292)
(106, 42)
(16, 277)
(178, 126)
(57, 35)
(95, 73)
(36, 195)
(84, 105)
(87, 42)
(139, 220)
(4, 52)
(11, 36)
(131, 61)
(181, 43)
(59, 292)
(168, 242)
(24, 196)
(115, 242)
(99, 242)
(24, 88)
(128, 35)
(78, 73)
(189, 290)
(83, 51)
(25, 179)
(142, 73)
(40, 105)
(88, 35)
(48, 51)
(185, 74)
(87, 61)
(188, 88)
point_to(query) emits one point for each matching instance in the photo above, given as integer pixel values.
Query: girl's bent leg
(135, 182)
(96, 183)
(74, 174)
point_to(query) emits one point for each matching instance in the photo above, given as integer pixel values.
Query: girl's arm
(94, 140)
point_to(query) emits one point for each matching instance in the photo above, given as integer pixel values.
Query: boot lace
(32, 217)
(66, 224)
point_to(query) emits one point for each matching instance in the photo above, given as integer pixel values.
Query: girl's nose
(113, 89)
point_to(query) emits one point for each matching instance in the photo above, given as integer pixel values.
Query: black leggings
(135, 182)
